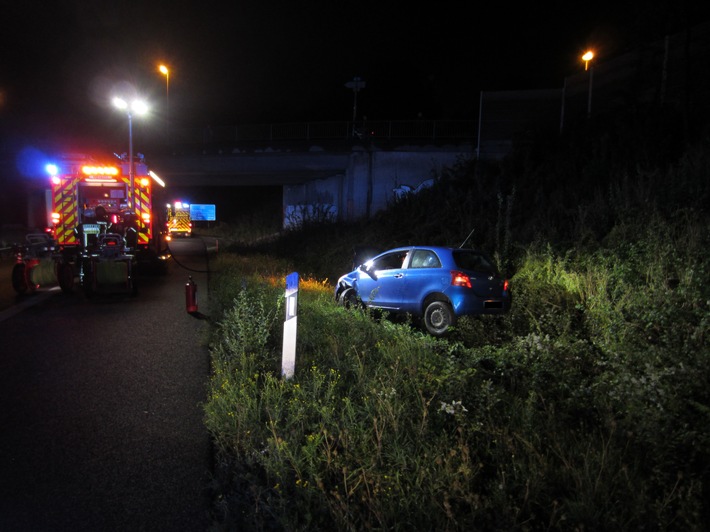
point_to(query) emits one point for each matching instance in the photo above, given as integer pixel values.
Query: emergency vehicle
(179, 222)
(101, 228)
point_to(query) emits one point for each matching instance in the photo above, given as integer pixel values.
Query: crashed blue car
(436, 284)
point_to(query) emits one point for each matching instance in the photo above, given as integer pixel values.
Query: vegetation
(585, 408)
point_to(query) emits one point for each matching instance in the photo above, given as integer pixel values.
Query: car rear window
(473, 260)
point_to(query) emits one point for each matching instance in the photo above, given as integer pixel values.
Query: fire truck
(179, 222)
(101, 230)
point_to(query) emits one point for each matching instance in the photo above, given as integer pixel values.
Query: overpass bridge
(243, 169)
(295, 153)
(331, 169)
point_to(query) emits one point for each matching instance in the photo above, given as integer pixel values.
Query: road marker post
(288, 357)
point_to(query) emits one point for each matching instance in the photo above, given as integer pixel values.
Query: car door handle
(399, 276)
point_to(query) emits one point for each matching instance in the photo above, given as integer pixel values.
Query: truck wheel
(65, 276)
(87, 284)
(19, 278)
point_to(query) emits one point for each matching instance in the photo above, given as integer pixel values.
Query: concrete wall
(372, 180)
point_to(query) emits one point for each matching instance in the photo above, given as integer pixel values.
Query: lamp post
(166, 72)
(356, 85)
(139, 107)
(587, 57)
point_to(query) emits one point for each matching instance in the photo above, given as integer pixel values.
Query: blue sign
(203, 213)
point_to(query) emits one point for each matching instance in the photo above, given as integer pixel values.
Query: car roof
(433, 248)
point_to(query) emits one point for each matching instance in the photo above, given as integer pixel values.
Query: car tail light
(460, 279)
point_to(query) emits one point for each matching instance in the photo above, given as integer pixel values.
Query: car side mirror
(368, 270)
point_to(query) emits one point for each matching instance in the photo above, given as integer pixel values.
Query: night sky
(277, 61)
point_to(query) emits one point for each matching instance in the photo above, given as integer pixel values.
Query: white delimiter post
(288, 358)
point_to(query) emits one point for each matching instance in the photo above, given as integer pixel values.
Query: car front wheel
(438, 318)
(348, 298)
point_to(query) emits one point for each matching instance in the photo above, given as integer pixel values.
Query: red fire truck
(102, 231)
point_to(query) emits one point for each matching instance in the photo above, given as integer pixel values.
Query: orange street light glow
(587, 57)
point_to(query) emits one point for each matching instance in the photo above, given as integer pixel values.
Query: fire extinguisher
(191, 296)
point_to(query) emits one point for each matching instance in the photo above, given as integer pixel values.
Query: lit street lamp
(166, 72)
(587, 57)
(138, 107)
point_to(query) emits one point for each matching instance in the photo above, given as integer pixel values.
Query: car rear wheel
(438, 318)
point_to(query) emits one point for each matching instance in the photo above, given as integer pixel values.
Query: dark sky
(280, 61)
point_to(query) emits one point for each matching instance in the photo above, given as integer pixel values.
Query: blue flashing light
(52, 169)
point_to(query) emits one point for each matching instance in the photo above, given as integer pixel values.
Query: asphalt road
(100, 409)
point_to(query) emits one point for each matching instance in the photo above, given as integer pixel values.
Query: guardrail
(414, 130)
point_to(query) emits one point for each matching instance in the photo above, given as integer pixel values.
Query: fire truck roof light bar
(99, 170)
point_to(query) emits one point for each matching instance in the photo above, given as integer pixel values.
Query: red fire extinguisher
(191, 296)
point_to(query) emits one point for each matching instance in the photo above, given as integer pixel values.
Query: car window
(424, 258)
(473, 260)
(389, 261)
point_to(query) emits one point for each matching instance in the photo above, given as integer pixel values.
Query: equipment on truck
(179, 222)
(101, 228)
(34, 262)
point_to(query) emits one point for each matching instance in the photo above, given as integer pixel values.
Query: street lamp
(587, 57)
(166, 72)
(138, 107)
(356, 85)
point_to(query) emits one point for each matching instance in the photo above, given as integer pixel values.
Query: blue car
(436, 284)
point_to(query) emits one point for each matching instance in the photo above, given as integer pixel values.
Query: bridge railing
(434, 130)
